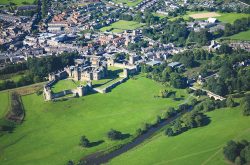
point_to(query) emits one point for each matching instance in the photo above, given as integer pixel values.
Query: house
(153, 63)
(211, 20)
(175, 64)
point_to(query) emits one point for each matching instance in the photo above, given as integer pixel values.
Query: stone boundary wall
(111, 86)
(62, 93)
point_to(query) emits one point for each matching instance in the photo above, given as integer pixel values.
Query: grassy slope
(240, 36)
(51, 131)
(195, 147)
(122, 25)
(231, 17)
(4, 101)
(18, 2)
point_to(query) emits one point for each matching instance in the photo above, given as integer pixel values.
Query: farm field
(130, 3)
(122, 25)
(51, 131)
(195, 147)
(18, 2)
(245, 36)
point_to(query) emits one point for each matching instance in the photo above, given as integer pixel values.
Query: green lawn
(128, 2)
(160, 15)
(4, 102)
(64, 85)
(194, 147)
(122, 25)
(240, 36)
(51, 130)
(18, 2)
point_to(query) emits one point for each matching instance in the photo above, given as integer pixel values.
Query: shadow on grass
(125, 136)
(96, 143)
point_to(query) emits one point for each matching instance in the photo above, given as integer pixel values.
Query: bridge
(210, 94)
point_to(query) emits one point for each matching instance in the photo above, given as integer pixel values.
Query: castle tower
(47, 93)
(131, 60)
(125, 72)
(111, 62)
(76, 74)
(80, 91)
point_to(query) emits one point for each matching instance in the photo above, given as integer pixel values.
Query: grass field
(223, 17)
(130, 3)
(122, 25)
(18, 2)
(52, 130)
(64, 85)
(245, 36)
(199, 146)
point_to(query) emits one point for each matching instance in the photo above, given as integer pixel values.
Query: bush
(114, 135)
(84, 142)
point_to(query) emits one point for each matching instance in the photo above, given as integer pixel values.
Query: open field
(223, 17)
(130, 3)
(231, 17)
(204, 15)
(122, 25)
(51, 131)
(245, 36)
(18, 2)
(194, 147)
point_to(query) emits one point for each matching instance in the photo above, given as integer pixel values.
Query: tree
(177, 127)
(169, 132)
(178, 81)
(84, 141)
(245, 104)
(230, 151)
(230, 102)
(70, 162)
(114, 135)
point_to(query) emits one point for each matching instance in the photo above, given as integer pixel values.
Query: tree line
(37, 69)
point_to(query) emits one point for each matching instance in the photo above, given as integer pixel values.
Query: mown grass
(197, 146)
(122, 25)
(130, 3)
(64, 85)
(51, 131)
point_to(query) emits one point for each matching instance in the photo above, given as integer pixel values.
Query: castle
(82, 71)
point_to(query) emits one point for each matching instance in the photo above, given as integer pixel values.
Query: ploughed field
(199, 146)
(51, 131)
